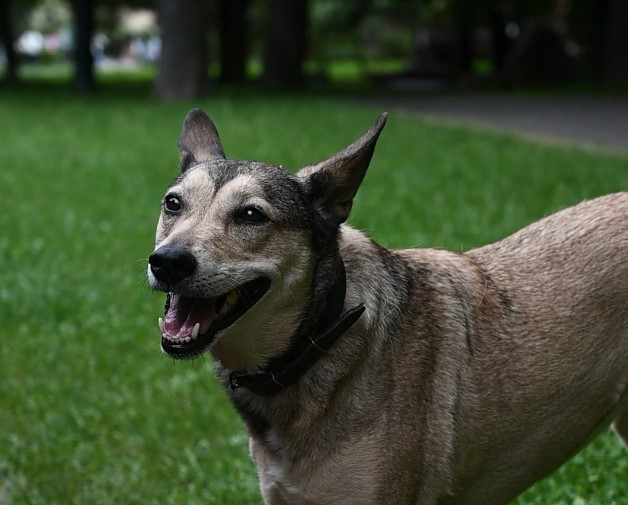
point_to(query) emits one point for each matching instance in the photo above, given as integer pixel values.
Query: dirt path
(597, 121)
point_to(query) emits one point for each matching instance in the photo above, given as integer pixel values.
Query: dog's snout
(172, 264)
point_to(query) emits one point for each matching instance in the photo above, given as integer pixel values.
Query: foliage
(89, 410)
(50, 16)
(362, 30)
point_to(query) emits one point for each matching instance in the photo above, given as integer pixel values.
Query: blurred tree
(285, 43)
(82, 54)
(495, 14)
(182, 71)
(7, 39)
(501, 42)
(596, 29)
(587, 21)
(550, 36)
(616, 43)
(233, 36)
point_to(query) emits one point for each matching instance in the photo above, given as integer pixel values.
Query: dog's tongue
(184, 312)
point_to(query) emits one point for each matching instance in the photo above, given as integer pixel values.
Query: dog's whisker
(141, 272)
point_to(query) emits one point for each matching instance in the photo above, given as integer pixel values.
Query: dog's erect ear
(199, 140)
(333, 183)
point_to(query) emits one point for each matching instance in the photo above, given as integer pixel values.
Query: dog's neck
(313, 338)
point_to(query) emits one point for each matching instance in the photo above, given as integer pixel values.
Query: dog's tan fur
(469, 376)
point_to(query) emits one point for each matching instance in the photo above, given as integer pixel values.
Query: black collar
(308, 344)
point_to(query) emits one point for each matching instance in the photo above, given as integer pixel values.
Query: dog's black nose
(172, 264)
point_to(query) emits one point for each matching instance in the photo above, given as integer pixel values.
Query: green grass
(343, 72)
(90, 412)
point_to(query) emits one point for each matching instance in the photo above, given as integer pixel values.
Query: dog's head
(238, 244)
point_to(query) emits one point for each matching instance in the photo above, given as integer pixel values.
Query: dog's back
(549, 347)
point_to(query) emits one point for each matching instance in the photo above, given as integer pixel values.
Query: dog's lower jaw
(250, 345)
(192, 323)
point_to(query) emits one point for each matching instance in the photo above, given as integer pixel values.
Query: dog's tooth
(195, 330)
(186, 340)
(160, 322)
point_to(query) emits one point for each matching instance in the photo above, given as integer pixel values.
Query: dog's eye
(172, 203)
(252, 215)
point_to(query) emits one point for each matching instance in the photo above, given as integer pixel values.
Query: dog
(373, 376)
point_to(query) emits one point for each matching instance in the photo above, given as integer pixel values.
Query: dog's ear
(199, 140)
(332, 184)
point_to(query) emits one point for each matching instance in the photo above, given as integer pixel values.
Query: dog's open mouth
(190, 323)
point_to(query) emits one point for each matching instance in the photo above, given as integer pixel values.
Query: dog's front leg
(271, 494)
(270, 491)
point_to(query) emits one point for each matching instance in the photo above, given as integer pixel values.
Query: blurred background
(186, 47)
(92, 97)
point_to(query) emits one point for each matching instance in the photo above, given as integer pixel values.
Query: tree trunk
(497, 23)
(286, 43)
(233, 33)
(616, 44)
(6, 40)
(183, 64)
(462, 21)
(84, 32)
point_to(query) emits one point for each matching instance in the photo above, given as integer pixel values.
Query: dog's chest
(347, 476)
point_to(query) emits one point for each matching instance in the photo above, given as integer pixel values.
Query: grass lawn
(90, 411)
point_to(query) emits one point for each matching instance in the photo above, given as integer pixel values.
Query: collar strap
(307, 348)
(272, 380)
